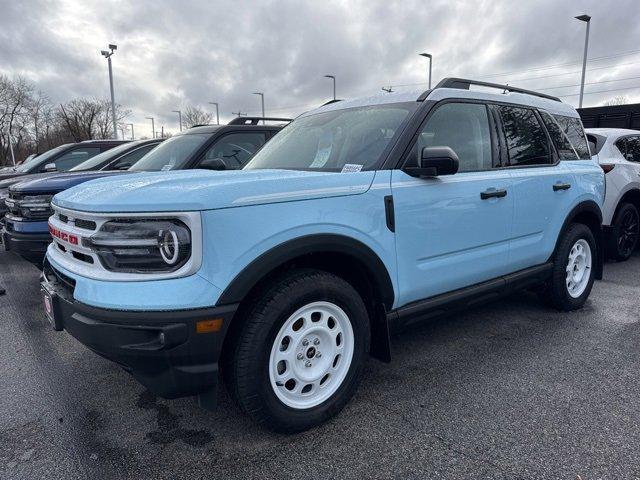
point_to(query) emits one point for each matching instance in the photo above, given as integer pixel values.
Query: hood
(194, 190)
(22, 178)
(57, 182)
(10, 174)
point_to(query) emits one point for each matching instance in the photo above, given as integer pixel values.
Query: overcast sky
(173, 54)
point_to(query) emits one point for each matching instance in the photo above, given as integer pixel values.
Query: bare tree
(195, 116)
(619, 100)
(86, 119)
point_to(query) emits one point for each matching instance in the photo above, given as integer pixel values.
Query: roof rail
(331, 101)
(256, 120)
(465, 84)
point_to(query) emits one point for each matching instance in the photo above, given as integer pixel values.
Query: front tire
(573, 269)
(624, 233)
(300, 353)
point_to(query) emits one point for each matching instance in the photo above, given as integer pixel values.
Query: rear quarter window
(572, 127)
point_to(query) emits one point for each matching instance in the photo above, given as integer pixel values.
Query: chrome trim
(96, 270)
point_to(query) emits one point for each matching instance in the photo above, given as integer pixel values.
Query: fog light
(161, 338)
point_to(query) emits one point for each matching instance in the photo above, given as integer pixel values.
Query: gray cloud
(171, 54)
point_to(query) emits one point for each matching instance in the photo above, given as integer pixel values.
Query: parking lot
(510, 390)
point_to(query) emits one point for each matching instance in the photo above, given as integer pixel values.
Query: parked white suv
(618, 152)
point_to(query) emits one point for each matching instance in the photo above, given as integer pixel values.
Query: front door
(453, 231)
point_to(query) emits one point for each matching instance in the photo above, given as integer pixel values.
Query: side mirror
(435, 161)
(213, 164)
(50, 167)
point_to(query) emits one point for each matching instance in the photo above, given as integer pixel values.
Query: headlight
(142, 245)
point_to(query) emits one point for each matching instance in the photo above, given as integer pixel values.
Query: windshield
(96, 162)
(172, 154)
(341, 140)
(27, 166)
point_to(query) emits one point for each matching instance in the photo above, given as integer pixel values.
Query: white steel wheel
(579, 267)
(311, 355)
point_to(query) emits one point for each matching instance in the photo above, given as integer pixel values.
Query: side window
(563, 145)
(621, 145)
(75, 157)
(235, 149)
(131, 158)
(633, 149)
(464, 127)
(527, 142)
(572, 127)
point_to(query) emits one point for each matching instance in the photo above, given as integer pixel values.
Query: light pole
(428, 55)
(107, 54)
(132, 135)
(587, 20)
(262, 100)
(334, 84)
(153, 127)
(179, 117)
(217, 112)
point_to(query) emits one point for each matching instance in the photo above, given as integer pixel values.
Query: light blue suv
(359, 217)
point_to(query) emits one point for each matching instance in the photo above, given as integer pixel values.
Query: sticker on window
(351, 168)
(324, 151)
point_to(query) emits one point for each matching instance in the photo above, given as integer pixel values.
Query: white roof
(612, 132)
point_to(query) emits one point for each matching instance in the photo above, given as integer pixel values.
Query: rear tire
(625, 230)
(573, 273)
(299, 355)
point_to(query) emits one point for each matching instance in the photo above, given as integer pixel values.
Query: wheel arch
(344, 256)
(587, 213)
(630, 196)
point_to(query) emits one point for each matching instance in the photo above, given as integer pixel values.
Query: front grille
(29, 207)
(85, 224)
(63, 218)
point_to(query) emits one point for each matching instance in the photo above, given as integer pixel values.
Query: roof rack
(465, 84)
(256, 120)
(331, 101)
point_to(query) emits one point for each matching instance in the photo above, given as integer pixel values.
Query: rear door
(542, 184)
(449, 233)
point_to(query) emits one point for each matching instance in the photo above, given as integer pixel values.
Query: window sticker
(324, 151)
(351, 168)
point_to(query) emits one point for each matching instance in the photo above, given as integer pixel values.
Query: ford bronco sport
(358, 217)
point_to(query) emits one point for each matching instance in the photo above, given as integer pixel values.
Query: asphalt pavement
(508, 390)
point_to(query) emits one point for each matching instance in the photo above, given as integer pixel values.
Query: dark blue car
(28, 203)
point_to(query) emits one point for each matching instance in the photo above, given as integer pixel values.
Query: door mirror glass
(50, 167)
(435, 161)
(213, 164)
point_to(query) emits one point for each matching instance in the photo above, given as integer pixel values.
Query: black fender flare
(277, 256)
(590, 207)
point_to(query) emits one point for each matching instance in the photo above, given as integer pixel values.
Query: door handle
(561, 186)
(492, 193)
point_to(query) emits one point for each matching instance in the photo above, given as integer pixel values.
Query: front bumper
(27, 238)
(163, 350)
(32, 247)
